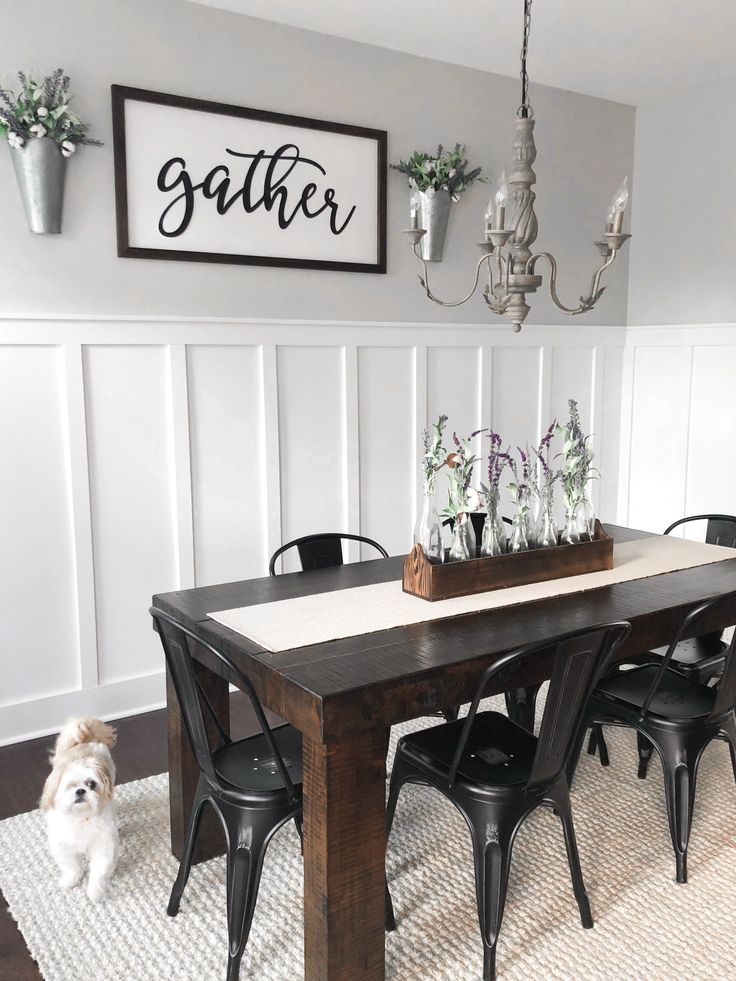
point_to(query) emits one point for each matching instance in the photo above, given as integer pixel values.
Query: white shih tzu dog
(77, 799)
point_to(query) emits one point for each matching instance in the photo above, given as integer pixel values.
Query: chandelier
(507, 259)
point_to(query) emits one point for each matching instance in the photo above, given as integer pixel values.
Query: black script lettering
(217, 184)
(187, 194)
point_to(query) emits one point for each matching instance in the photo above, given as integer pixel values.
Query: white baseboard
(43, 716)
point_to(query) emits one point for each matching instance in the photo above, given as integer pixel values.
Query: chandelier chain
(525, 110)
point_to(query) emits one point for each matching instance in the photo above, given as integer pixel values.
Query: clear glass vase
(586, 521)
(518, 541)
(470, 539)
(534, 519)
(492, 543)
(547, 536)
(428, 530)
(570, 534)
(459, 551)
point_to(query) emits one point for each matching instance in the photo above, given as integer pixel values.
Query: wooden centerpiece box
(448, 580)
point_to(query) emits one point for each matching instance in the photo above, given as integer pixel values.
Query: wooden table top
(374, 680)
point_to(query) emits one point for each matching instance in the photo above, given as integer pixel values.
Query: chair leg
(397, 779)
(299, 824)
(451, 714)
(644, 748)
(186, 859)
(521, 705)
(243, 878)
(729, 731)
(492, 864)
(601, 743)
(680, 765)
(592, 741)
(562, 806)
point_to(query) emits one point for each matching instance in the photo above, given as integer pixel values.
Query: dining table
(345, 694)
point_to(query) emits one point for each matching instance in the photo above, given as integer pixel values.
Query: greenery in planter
(41, 109)
(447, 170)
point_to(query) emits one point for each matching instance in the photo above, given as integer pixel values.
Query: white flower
(42, 112)
(452, 172)
(38, 131)
(67, 148)
(66, 124)
(15, 140)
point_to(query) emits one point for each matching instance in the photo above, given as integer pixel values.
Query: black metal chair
(675, 714)
(321, 551)
(698, 658)
(496, 772)
(254, 785)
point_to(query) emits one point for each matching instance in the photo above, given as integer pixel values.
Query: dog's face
(79, 787)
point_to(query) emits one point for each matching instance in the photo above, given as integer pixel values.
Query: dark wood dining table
(346, 694)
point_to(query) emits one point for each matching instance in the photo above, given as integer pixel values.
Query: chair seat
(699, 655)
(677, 697)
(248, 765)
(498, 752)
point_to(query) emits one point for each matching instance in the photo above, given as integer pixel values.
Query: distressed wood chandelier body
(507, 260)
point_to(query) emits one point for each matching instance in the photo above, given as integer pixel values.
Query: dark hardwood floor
(140, 752)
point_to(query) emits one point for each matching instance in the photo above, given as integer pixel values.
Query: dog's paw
(69, 880)
(96, 889)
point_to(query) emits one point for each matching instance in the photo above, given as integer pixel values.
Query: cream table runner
(320, 617)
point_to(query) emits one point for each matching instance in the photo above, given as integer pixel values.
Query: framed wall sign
(204, 182)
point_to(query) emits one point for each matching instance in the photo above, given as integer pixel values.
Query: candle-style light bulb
(615, 218)
(488, 216)
(502, 197)
(414, 208)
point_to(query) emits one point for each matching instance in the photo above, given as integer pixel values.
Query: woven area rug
(647, 926)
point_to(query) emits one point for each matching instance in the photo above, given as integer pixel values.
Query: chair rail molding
(147, 454)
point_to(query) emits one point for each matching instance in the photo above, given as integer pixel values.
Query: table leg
(344, 858)
(183, 769)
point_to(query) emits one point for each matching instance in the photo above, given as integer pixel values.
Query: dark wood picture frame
(121, 93)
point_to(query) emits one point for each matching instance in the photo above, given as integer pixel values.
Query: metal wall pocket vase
(433, 214)
(40, 169)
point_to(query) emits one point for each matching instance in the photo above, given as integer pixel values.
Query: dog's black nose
(80, 792)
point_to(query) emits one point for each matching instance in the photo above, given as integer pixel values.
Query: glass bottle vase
(586, 521)
(547, 537)
(518, 540)
(459, 551)
(492, 543)
(428, 530)
(570, 534)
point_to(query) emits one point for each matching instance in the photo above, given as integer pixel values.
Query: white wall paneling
(678, 422)
(147, 455)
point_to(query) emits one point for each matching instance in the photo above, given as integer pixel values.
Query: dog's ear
(105, 779)
(50, 789)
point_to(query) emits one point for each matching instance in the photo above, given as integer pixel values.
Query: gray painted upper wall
(684, 250)
(585, 147)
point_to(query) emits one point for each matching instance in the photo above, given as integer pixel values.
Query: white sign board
(200, 181)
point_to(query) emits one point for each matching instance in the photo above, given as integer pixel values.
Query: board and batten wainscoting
(678, 425)
(144, 456)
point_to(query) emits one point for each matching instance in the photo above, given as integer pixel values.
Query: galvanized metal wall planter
(40, 169)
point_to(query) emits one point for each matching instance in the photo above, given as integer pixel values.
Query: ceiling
(630, 51)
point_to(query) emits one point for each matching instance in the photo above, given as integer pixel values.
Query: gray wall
(585, 147)
(684, 249)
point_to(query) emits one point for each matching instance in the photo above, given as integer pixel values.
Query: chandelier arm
(448, 303)
(586, 302)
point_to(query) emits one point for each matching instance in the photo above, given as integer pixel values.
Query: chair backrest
(193, 700)
(697, 619)
(579, 659)
(321, 551)
(720, 530)
(478, 519)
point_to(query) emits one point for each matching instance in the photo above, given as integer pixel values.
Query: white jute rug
(647, 926)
